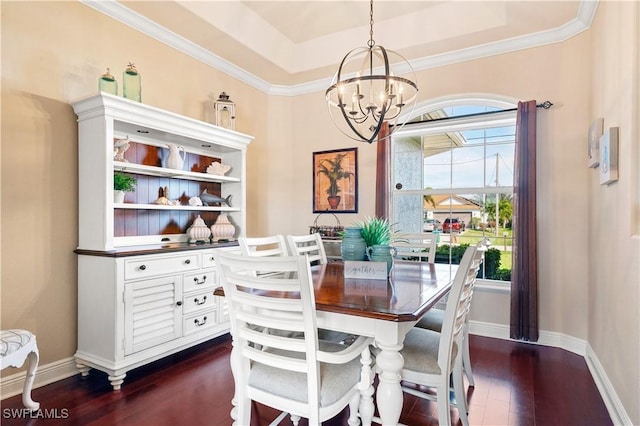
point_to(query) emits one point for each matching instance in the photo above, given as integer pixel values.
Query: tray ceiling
(292, 46)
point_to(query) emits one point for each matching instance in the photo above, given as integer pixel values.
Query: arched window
(452, 175)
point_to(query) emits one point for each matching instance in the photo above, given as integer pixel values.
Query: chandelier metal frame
(364, 99)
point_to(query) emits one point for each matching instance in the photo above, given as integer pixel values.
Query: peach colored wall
(613, 226)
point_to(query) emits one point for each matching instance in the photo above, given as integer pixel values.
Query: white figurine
(195, 201)
(217, 168)
(120, 146)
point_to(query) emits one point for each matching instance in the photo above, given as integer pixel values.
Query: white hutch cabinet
(144, 292)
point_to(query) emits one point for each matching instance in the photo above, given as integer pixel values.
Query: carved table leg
(389, 396)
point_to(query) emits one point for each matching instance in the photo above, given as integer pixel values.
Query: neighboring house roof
(454, 203)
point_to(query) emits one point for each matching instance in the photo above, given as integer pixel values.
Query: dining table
(385, 309)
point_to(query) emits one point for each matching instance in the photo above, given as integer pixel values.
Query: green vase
(131, 85)
(382, 253)
(353, 246)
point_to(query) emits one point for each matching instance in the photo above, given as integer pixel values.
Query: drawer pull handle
(212, 259)
(198, 323)
(179, 303)
(204, 280)
(198, 302)
(142, 267)
(188, 261)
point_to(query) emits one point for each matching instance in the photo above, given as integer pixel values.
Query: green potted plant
(333, 170)
(122, 183)
(378, 234)
(376, 231)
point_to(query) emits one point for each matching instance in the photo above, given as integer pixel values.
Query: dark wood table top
(411, 290)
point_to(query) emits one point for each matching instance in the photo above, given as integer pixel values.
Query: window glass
(447, 178)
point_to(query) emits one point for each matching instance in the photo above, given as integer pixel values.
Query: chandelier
(365, 92)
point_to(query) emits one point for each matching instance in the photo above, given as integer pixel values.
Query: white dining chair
(417, 247)
(273, 245)
(430, 358)
(276, 245)
(310, 244)
(433, 319)
(303, 377)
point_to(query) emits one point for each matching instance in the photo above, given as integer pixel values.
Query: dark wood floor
(516, 384)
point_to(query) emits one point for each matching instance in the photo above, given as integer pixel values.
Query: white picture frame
(593, 142)
(609, 156)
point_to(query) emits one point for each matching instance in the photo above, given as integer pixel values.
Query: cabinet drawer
(202, 321)
(151, 266)
(199, 301)
(207, 259)
(199, 281)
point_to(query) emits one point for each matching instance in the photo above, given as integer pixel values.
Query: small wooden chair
(16, 347)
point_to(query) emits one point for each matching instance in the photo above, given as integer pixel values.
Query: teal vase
(380, 253)
(353, 246)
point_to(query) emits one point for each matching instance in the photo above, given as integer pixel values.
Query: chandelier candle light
(365, 92)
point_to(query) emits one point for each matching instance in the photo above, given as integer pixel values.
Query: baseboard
(616, 410)
(572, 344)
(46, 374)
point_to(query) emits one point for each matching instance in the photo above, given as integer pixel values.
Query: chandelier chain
(371, 42)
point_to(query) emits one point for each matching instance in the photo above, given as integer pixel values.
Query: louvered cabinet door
(152, 313)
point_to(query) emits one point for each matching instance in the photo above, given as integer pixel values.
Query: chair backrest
(458, 303)
(419, 247)
(274, 245)
(481, 248)
(310, 244)
(281, 300)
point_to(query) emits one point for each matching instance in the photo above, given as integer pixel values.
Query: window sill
(493, 286)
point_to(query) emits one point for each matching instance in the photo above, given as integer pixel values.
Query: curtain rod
(545, 105)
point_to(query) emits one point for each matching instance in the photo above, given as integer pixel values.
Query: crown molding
(123, 14)
(117, 11)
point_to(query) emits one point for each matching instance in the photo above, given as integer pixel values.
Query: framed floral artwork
(335, 181)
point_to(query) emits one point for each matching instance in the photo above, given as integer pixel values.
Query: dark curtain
(382, 172)
(524, 275)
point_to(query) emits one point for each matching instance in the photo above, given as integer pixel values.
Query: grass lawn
(505, 260)
(473, 236)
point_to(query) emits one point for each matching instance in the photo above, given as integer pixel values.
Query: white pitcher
(175, 160)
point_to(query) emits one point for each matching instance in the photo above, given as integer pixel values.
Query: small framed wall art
(593, 142)
(609, 156)
(335, 181)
